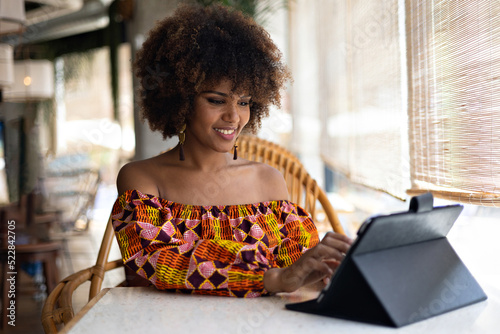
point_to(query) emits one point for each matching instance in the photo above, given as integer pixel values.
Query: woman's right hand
(315, 264)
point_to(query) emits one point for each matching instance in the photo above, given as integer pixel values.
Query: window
(454, 99)
(411, 96)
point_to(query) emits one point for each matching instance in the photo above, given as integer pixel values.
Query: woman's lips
(227, 134)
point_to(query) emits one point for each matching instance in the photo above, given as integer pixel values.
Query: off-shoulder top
(218, 250)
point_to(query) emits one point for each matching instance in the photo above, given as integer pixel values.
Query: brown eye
(215, 101)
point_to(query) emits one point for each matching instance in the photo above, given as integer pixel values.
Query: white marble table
(146, 310)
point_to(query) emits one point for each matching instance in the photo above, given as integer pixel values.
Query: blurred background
(390, 98)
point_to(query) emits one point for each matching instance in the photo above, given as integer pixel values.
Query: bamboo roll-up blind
(453, 50)
(363, 93)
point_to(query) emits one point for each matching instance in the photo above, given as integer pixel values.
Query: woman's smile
(226, 133)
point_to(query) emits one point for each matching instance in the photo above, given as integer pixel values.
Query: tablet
(399, 270)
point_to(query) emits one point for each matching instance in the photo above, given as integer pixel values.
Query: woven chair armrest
(57, 309)
(113, 264)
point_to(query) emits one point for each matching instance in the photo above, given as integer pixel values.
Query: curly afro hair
(199, 47)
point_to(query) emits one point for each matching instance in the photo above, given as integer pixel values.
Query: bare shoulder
(137, 175)
(272, 182)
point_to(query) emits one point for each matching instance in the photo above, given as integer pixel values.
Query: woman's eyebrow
(214, 92)
(223, 94)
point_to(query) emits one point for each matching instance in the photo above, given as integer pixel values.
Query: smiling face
(219, 117)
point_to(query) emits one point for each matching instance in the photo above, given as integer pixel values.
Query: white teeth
(225, 132)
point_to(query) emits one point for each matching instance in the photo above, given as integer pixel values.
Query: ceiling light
(33, 81)
(12, 16)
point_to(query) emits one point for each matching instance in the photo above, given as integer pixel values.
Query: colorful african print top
(218, 250)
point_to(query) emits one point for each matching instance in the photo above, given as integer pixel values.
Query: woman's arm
(314, 265)
(272, 184)
(137, 175)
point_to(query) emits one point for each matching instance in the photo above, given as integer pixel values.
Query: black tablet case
(401, 269)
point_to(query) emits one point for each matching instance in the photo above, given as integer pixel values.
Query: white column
(304, 97)
(146, 14)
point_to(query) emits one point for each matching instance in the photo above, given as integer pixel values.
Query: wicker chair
(303, 190)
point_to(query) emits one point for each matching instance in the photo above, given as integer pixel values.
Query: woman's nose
(231, 113)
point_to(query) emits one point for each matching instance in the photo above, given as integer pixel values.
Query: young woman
(197, 217)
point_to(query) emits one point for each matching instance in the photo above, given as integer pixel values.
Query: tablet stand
(393, 284)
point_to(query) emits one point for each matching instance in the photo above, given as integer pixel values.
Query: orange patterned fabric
(220, 250)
